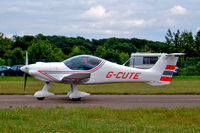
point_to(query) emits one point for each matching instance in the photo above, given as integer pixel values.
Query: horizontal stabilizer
(175, 54)
(157, 83)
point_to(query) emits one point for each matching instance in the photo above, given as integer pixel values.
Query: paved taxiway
(113, 101)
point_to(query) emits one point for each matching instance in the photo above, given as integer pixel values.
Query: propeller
(26, 75)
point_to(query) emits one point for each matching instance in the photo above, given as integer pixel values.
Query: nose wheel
(40, 95)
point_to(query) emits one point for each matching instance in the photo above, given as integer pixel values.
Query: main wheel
(40, 98)
(76, 99)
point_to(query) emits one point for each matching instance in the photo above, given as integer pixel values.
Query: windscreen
(82, 62)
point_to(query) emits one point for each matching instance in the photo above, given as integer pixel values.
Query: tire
(40, 98)
(2, 74)
(76, 99)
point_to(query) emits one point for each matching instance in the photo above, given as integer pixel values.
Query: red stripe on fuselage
(164, 78)
(46, 75)
(170, 67)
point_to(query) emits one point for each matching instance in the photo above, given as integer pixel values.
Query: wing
(76, 78)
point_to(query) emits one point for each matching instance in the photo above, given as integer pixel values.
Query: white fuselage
(86, 69)
(105, 72)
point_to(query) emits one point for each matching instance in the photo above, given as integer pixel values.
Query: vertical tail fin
(165, 67)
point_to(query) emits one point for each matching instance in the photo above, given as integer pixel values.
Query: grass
(179, 85)
(99, 120)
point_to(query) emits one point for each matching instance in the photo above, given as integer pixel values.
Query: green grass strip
(100, 120)
(179, 85)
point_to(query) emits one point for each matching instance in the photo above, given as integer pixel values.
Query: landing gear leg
(75, 94)
(40, 95)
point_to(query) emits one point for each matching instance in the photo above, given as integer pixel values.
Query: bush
(189, 66)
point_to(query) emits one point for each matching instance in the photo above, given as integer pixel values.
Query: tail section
(164, 67)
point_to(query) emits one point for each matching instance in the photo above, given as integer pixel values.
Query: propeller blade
(26, 75)
(26, 63)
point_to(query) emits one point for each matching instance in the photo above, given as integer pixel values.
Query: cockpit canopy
(82, 62)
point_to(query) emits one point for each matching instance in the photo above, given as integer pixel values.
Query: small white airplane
(87, 69)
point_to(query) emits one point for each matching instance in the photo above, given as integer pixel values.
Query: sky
(97, 19)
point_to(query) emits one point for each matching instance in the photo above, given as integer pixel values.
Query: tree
(2, 62)
(182, 42)
(108, 54)
(123, 57)
(111, 43)
(17, 56)
(188, 44)
(59, 56)
(169, 37)
(42, 50)
(100, 50)
(197, 43)
(5, 46)
(77, 50)
(138, 43)
(22, 42)
(173, 40)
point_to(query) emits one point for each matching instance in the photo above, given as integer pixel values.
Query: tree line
(57, 48)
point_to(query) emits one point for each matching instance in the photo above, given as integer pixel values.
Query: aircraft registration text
(123, 75)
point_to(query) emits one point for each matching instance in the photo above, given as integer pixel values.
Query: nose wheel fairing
(40, 95)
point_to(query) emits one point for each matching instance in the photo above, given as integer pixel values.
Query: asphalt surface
(113, 101)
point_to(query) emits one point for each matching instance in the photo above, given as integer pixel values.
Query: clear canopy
(82, 62)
